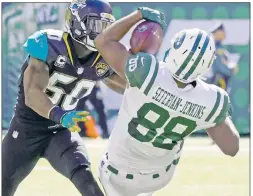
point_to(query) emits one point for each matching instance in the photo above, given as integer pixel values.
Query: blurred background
(228, 22)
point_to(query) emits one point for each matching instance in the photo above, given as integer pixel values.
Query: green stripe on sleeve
(216, 105)
(223, 114)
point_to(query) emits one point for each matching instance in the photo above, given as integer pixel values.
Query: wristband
(56, 113)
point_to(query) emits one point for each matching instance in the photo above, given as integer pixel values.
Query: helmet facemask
(90, 27)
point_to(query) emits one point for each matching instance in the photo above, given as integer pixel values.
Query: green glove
(153, 15)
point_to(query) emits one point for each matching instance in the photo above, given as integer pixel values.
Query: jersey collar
(70, 48)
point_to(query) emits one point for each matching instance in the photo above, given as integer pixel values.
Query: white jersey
(156, 115)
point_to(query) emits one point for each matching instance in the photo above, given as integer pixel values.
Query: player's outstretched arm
(107, 42)
(226, 136)
(36, 77)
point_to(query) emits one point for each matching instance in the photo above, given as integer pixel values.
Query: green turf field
(203, 171)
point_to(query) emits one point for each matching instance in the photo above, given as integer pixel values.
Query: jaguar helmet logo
(101, 69)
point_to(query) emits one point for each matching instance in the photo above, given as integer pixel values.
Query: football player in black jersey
(61, 68)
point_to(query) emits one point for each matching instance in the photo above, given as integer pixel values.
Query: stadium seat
(220, 12)
(242, 12)
(243, 73)
(242, 124)
(199, 13)
(117, 12)
(178, 13)
(241, 97)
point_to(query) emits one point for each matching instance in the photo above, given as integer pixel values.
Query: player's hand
(70, 120)
(153, 15)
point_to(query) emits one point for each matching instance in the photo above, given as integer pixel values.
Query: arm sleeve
(141, 71)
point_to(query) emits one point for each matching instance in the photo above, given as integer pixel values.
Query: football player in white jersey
(162, 104)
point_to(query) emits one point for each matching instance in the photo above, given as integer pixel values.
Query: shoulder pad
(53, 34)
(37, 45)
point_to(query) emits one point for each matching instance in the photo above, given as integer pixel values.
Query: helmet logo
(142, 28)
(78, 4)
(81, 1)
(179, 40)
(101, 69)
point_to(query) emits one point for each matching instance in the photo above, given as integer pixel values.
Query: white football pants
(139, 185)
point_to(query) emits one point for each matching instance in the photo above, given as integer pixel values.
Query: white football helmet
(191, 54)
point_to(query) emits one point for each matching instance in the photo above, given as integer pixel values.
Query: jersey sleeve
(141, 71)
(37, 46)
(222, 107)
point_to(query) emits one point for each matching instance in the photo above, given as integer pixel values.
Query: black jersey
(70, 79)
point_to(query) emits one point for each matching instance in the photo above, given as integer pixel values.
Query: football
(146, 37)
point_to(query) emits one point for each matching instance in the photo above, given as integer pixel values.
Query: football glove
(68, 119)
(153, 15)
